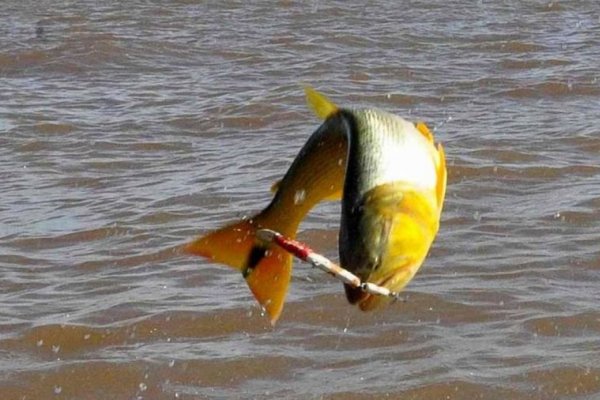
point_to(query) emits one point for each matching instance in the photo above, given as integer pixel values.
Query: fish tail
(266, 268)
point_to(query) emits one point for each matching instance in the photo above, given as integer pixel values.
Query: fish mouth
(367, 301)
(394, 282)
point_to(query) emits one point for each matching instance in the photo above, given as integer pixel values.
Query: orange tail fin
(266, 268)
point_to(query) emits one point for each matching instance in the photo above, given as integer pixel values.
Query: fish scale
(388, 149)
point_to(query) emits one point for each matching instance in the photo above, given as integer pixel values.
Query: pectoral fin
(384, 199)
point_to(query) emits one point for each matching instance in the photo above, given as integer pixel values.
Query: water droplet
(57, 389)
(315, 6)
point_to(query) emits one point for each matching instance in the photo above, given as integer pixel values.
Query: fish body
(392, 180)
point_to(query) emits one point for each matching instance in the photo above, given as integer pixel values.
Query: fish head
(393, 193)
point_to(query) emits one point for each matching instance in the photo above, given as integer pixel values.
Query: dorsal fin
(319, 103)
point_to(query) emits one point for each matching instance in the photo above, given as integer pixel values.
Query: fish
(316, 174)
(391, 180)
(393, 195)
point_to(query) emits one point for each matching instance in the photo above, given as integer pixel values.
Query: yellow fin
(441, 177)
(269, 281)
(229, 245)
(319, 103)
(424, 129)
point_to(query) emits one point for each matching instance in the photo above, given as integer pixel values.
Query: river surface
(128, 128)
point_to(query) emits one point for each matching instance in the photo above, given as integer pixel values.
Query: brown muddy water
(128, 128)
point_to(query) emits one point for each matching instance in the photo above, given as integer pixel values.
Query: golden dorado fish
(371, 201)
